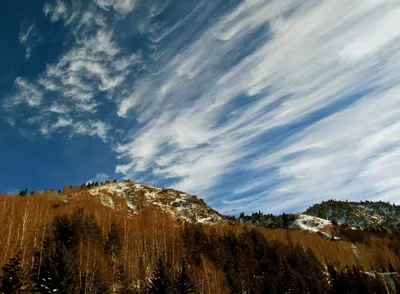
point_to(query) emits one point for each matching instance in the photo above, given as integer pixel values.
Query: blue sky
(251, 105)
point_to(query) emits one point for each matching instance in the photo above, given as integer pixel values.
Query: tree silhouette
(113, 244)
(160, 283)
(183, 283)
(391, 268)
(23, 192)
(12, 279)
(57, 273)
(289, 281)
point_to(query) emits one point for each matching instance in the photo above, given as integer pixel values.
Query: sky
(252, 105)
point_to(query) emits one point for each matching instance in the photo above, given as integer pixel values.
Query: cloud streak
(27, 39)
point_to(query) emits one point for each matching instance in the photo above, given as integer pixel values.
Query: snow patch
(311, 223)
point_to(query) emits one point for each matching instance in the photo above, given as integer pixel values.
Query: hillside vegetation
(92, 240)
(358, 214)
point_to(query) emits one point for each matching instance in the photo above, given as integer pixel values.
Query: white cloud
(121, 6)
(352, 154)
(46, 129)
(92, 128)
(57, 11)
(315, 54)
(90, 61)
(62, 122)
(301, 92)
(65, 124)
(11, 122)
(26, 38)
(89, 69)
(27, 93)
(58, 108)
(100, 177)
(90, 72)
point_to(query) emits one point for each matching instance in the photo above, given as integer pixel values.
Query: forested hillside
(71, 241)
(364, 213)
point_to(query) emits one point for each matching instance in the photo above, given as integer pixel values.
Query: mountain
(133, 238)
(178, 204)
(357, 214)
(324, 218)
(185, 207)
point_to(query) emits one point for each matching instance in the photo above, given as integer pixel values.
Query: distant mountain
(357, 214)
(324, 217)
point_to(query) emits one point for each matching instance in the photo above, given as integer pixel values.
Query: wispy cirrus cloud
(353, 154)
(57, 10)
(101, 177)
(121, 6)
(70, 92)
(255, 105)
(27, 38)
(28, 94)
(303, 62)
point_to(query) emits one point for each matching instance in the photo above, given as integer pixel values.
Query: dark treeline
(269, 221)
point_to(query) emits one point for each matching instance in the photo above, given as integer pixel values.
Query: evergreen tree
(57, 273)
(160, 283)
(56, 269)
(289, 281)
(391, 268)
(23, 192)
(113, 244)
(12, 279)
(183, 283)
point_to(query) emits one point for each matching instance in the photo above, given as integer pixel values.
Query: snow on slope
(312, 224)
(179, 204)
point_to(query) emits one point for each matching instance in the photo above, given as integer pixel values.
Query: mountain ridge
(177, 203)
(319, 218)
(357, 214)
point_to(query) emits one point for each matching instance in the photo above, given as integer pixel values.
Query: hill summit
(357, 214)
(178, 204)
